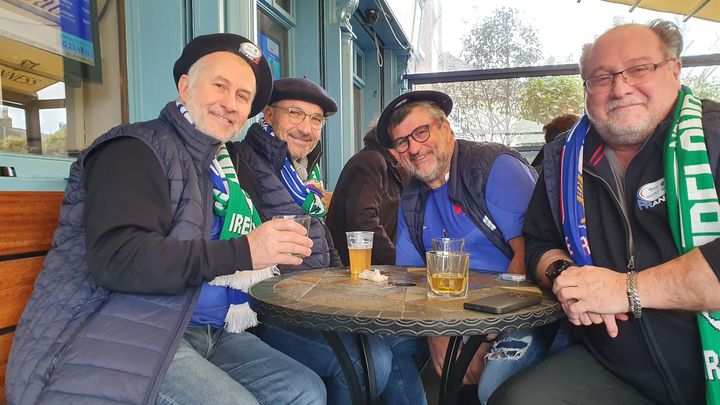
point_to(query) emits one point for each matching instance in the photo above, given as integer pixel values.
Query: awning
(704, 9)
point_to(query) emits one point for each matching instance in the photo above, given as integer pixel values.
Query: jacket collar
(274, 149)
(198, 144)
(595, 161)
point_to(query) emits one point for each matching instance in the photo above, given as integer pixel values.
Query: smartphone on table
(503, 303)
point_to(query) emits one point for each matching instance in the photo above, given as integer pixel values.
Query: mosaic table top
(329, 299)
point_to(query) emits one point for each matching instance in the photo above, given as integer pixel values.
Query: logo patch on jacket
(458, 209)
(651, 194)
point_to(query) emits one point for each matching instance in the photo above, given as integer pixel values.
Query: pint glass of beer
(360, 251)
(447, 274)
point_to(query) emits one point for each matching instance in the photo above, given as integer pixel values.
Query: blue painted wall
(155, 36)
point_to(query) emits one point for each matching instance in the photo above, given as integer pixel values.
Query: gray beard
(614, 134)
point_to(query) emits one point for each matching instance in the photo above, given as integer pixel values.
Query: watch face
(557, 267)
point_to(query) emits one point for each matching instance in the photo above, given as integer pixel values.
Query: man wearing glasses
(459, 189)
(283, 150)
(623, 226)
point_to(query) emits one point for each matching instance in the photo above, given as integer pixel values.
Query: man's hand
(517, 263)
(477, 364)
(272, 243)
(438, 349)
(593, 295)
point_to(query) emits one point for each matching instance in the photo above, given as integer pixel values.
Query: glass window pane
(273, 40)
(285, 5)
(40, 53)
(515, 33)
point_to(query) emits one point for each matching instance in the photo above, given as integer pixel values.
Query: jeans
(310, 348)
(512, 352)
(404, 385)
(213, 366)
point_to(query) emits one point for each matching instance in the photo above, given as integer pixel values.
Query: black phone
(503, 303)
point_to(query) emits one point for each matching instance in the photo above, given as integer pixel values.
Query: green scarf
(240, 217)
(694, 211)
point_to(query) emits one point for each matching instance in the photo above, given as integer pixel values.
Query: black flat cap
(233, 43)
(441, 99)
(300, 88)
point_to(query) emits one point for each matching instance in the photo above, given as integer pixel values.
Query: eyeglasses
(297, 116)
(633, 75)
(419, 134)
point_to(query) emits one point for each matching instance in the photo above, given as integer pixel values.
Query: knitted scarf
(307, 194)
(694, 212)
(239, 216)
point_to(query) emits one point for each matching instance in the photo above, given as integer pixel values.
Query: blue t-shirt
(214, 301)
(507, 194)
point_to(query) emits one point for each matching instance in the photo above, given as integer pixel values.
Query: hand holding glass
(303, 220)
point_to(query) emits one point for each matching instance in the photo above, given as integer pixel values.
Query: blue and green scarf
(307, 194)
(693, 207)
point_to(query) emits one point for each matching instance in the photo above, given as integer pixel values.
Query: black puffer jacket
(660, 353)
(266, 155)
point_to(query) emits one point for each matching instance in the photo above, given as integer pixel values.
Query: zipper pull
(631, 263)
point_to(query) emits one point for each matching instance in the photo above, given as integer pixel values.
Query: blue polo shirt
(507, 194)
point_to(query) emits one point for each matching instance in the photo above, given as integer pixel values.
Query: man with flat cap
(459, 189)
(284, 151)
(141, 299)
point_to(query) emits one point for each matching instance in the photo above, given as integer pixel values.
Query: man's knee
(303, 386)
(310, 390)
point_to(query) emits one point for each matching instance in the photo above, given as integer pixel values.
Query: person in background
(141, 298)
(459, 189)
(367, 197)
(634, 257)
(558, 125)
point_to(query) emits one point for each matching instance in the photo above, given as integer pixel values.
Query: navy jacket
(266, 156)
(86, 338)
(658, 354)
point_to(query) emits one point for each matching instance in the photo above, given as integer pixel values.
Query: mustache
(623, 102)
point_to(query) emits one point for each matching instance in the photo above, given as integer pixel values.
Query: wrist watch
(555, 268)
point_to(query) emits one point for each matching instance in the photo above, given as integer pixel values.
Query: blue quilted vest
(79, 343)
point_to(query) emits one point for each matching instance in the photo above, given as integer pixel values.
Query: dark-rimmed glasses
(633, 75)
(419, 134)
(297, 116)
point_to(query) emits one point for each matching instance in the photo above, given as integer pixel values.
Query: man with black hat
(459, 189)
(141, 297)
(284, 151)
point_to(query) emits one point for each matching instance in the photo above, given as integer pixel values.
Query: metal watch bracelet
(633, 295)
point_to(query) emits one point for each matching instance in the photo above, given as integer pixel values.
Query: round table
(329, 300)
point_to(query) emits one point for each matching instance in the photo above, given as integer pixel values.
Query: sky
(565, 25)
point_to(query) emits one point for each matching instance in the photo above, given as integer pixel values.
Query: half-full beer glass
(360, 251)
(447, 274)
